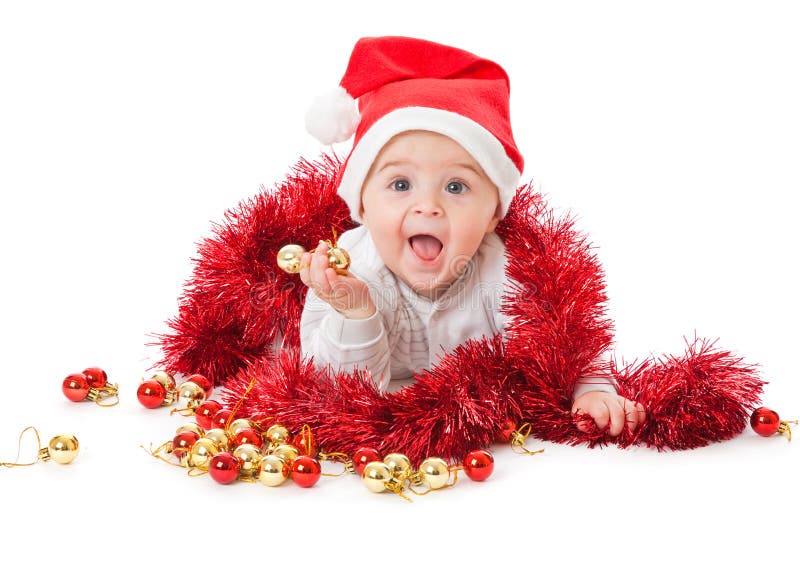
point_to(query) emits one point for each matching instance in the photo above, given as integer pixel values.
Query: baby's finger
(631, 414)
(641, 413)
(319, 263)
(305, 263)
(617, 415)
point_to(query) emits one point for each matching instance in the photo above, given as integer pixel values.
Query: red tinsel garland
(238, 303)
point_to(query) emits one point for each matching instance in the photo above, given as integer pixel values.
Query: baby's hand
(604, 408)
(344, 292)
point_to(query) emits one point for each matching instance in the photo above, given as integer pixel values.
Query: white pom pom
(333, 117)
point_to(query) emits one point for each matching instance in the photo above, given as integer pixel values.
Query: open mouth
(426, 247)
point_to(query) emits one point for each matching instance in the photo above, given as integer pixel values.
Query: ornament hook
(518, 440)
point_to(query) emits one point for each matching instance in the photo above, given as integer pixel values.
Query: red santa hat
(404, 84)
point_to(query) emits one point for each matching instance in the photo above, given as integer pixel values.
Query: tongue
(426, 246)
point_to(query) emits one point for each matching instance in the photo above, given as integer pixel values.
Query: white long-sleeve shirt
(409, 332)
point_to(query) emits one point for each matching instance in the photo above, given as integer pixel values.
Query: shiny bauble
(273, 471)
(765, 421)
(96, 377)
(190, 395)
(339, 260)
(182, 443)
(306, 444)
(375, 476)
(399, 465)
(201, 453)
(224, 468)
(478, 465)
(434, 472)
(165, 380)
(249, 457)
(75, 387)
(364, 456)
(151, 393)
(506, 430)
(239, 424)
(201, 381)
(219, 437)
(289, 258)
(247, 437)
(220, 419)
(305, 471)
(277, 435)
(204, 414)
(63, 448)
(287, 453)
(191, 427)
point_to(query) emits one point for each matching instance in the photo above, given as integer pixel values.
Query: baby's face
(427, 205)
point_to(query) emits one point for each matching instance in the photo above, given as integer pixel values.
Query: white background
(669, 129)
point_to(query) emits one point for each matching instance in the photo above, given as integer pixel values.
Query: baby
(432, 172)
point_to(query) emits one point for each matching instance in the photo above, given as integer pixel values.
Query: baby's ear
(494, 221)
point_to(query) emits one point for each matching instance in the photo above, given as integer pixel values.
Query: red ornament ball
(201, 381)
(306, 471)
(75, 387)
(299, 443)
(479, 465)
(506, 430)
(205, 412)
(96, 377)
(182, 443)
(224, 468)
(364, 456)
(151, 393)
(220, 419)
(247, 437)
(765, 421)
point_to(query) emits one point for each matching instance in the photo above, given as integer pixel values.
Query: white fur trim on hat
(473, 137)
(333, 117)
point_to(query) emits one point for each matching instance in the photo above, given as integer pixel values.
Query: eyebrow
(457, 163)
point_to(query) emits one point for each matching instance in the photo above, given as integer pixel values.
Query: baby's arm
(340, 325)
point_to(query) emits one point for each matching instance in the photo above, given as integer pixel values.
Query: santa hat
(404, 84)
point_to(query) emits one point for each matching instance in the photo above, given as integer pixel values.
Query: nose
(427, 204)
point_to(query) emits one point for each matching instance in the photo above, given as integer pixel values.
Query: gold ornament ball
(190, 394)
(435, 473)
(277, 434)
(203, 450)
(249, 458)
(375, 476)
(165, 380)
(339, 260)
(237, 425)
(287, 453)
(193, 427)
(63, 448)
(289, 258)
(274, 471)
(399, 464)
(219, 437)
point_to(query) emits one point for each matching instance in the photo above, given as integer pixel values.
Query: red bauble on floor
(151, 393)
(224, 468)
(96, 377)
(306, 471)
(75, 387)
(479, 465)
(205, 412)
(765, 421)
(364, 456)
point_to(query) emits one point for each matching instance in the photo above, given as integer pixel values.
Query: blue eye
(456, 187)
(400, 185)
